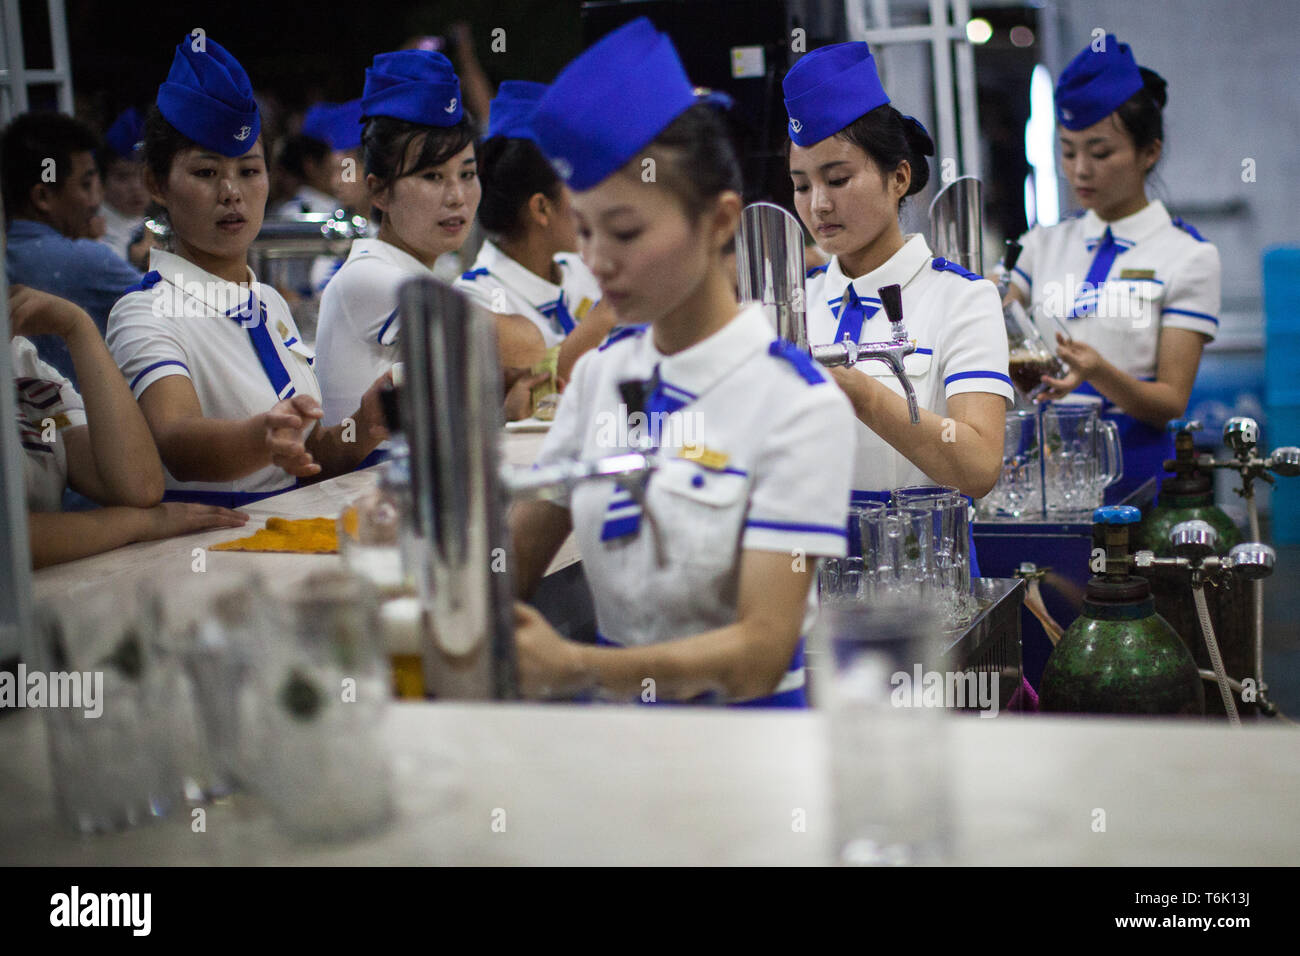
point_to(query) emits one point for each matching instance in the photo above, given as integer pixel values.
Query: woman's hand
(1084, 361)
(32, 312)
(284, 425)
(519, 399)
(370, 416)
(172, 518)
(547, 664)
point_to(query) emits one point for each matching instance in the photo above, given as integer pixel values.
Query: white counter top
(634, 785)
(161, 560)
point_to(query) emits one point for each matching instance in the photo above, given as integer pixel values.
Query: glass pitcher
(1082, 456)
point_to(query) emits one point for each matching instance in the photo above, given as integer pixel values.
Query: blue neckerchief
(623, 516)
(252, 316)
(853, 313)
(558, 312)
(1086, 300)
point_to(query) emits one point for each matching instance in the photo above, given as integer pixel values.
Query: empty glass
(897, 547)
(1082, 456)
(889, 785)
(113, 763)
(324, 768)
(1018, 492)
(947, 543)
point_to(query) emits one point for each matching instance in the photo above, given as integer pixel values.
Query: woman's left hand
(547, 665)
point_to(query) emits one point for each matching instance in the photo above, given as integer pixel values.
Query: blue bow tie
(252, 316)
(853, 312)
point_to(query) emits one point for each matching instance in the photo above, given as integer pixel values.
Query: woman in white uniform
(853, 159)
(212, 356)
(754, 441)
(529, 266)
(1137, 290)
(422, 173)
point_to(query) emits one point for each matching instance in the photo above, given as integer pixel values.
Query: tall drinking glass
(889, 786)
(324, 766)
(111, 752)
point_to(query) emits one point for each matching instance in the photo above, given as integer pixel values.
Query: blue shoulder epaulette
(473, 274)
(943, 265)
(621, 333)
(815, 269)
(1188, 228)
(148, 281)
(803, 363)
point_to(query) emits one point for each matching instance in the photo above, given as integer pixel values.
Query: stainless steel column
(451, 413)
(770, 268)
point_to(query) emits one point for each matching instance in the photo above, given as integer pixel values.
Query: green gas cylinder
(1186, 495)
(1120, 656)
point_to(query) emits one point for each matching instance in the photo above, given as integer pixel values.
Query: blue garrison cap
(1096, 83)
(418, 86)
(126, 136)
(512, 107)
(207, 96)
(610, 102)
(338, 124)
(828, 89)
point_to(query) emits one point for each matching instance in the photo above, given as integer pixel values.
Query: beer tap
(1009, 260)
(630, 471)
(848, 353)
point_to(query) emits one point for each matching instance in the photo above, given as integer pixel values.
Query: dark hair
(298, 149)
(27, 143)
(701, 158)
(1142, 114)
(162, 141)
(385, 141)
(889, 137)
(511, 172)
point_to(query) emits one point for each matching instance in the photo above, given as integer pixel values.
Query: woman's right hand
(172, 518)
(33, 312)
(285, 426)
(519, 400)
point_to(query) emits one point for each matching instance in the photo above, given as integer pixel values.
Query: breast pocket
(700, 511)
(917, 365)
(1129, 306)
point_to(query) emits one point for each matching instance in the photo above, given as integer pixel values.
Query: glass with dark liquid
(1027, 369)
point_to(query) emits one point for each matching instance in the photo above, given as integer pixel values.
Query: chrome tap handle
(891, 298)
(549, 482)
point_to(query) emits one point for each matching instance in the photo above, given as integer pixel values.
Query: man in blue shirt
(52, 191)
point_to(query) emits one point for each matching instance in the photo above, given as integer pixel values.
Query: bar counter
(569, 784)
(606, 784)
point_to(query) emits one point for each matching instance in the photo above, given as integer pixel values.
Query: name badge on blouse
(705, 457)
(1137, 273)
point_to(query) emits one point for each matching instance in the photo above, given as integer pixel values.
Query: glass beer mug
(1082, 456)
(1030, 357)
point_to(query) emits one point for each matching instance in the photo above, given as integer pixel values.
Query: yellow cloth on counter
(289, 535)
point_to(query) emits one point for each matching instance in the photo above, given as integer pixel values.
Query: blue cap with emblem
(830, 87)
(126, 136)
(1096, 83)
(610, 102)
(512, 107)
(207, 97)
(338, 124)
(418, 86)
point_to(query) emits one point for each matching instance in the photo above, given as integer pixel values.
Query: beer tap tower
(770, 270)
